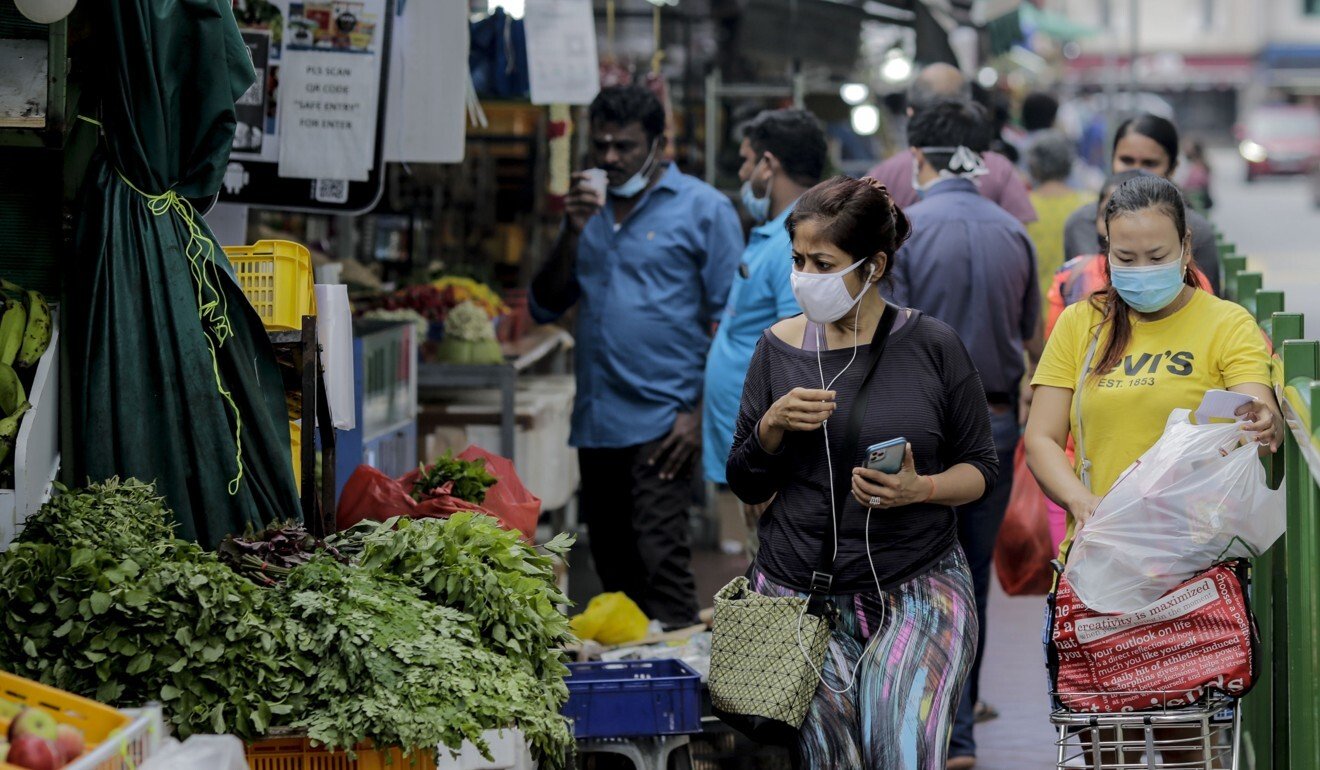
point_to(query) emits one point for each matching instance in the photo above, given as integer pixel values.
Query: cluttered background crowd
(998, 354)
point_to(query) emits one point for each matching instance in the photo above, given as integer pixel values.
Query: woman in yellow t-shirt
(1161, 343)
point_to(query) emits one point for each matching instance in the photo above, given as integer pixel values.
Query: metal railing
(1282, 714)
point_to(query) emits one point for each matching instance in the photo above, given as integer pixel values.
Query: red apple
(34, 753)
(36, 722)
(70, 742)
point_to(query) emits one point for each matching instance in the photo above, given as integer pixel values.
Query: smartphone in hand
(887, 456)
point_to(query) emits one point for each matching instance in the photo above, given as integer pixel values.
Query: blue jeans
(978, 527)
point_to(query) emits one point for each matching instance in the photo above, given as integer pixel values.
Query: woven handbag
(767, 652)
(759, 673)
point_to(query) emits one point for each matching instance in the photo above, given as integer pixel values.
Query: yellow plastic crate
(97, 721)
(276, 276)
(299, 754)
(295, 444)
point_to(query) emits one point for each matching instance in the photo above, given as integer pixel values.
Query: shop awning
(1056, 25)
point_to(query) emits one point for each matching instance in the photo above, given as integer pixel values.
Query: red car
(1280, 140)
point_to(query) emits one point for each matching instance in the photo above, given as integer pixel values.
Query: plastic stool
(650, 753)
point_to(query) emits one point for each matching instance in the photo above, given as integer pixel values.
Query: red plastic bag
(371, 495)
(1024, 549)
(1197, 638)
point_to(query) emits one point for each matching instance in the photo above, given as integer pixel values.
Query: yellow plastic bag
(611, 619)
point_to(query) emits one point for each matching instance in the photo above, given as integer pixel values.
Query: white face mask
(824, 297)
(638, 181)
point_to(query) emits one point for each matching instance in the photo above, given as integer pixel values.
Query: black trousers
(638, 528)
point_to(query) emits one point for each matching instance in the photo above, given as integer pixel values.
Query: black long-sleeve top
(925, 389)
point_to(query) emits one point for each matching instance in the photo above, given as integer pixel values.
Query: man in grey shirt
(971, 264)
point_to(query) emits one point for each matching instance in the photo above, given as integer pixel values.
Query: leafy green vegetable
(424, 634)
(469, 479)
(100, 599)
(405, 671)
(470, 563)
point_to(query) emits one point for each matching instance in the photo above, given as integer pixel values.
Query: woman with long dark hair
(1145, 143)
(1147, 343)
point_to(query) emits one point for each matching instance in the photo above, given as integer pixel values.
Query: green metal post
(1229, 268)
(1299, 720)
(1267, 304)
(1248, 284)
(1264, 717)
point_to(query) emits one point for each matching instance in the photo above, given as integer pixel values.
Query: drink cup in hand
(598, 181)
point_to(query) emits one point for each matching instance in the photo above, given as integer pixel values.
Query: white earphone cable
(834, 516)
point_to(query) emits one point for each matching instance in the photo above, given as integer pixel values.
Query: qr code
(330, 190)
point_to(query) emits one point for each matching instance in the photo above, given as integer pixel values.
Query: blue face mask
(1148, 289)
(634, 186)
(758, 208)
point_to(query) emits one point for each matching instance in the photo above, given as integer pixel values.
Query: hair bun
(876, 185)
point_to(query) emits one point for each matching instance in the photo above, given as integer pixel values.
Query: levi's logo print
(1139, 370)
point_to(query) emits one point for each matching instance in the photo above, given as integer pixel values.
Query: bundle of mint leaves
(406, 633)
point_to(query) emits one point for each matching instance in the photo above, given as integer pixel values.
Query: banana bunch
(25, 333)
(25, 326)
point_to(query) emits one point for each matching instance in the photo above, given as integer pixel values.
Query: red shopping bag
(369, 494)
(1024, 549)
(1199, 638)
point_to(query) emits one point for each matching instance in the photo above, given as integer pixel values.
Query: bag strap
(1084, 464)
(822, 579)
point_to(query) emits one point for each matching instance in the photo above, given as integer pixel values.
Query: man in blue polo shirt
(649, 268)
(783, 154)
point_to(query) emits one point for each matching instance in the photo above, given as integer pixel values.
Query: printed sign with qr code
(330, 190)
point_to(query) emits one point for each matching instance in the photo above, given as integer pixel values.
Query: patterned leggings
(898, 714)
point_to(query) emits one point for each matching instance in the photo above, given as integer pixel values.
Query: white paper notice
(426, 118)
(328, 126)
(561, 52)
(1220, 404)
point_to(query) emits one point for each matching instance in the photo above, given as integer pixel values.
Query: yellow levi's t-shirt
(1170, 364)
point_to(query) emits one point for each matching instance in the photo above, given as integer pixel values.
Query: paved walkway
(1013, 680)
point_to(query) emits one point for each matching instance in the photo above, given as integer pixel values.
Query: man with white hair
(1001, 182)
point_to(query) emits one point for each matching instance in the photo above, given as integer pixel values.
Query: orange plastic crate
(299, 754)
(96, 720)
(276, 277)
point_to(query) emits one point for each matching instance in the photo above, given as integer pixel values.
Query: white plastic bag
(1194, 498)
(334, 331)
(199, 752)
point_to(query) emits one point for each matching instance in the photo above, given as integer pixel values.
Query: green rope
(212, 307)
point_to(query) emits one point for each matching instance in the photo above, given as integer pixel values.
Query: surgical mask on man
(1148, 289)
(634, 186)
(964, 163)
(824, 297)
(758, 207)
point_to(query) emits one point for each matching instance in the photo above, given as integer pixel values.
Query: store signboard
(310, 137)
(427, 120)
(561, 52)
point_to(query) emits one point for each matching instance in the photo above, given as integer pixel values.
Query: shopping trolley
(1208, 734)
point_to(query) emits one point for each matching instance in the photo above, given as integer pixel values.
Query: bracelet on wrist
(930, 496)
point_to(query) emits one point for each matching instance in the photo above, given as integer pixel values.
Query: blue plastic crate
(633, 698)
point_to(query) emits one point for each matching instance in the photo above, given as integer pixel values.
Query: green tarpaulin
(157, 326)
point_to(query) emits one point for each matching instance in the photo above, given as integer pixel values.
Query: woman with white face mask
(905, 630)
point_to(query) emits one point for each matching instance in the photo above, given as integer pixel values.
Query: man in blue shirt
(649, 267)
(783, 154)
(971, 264)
